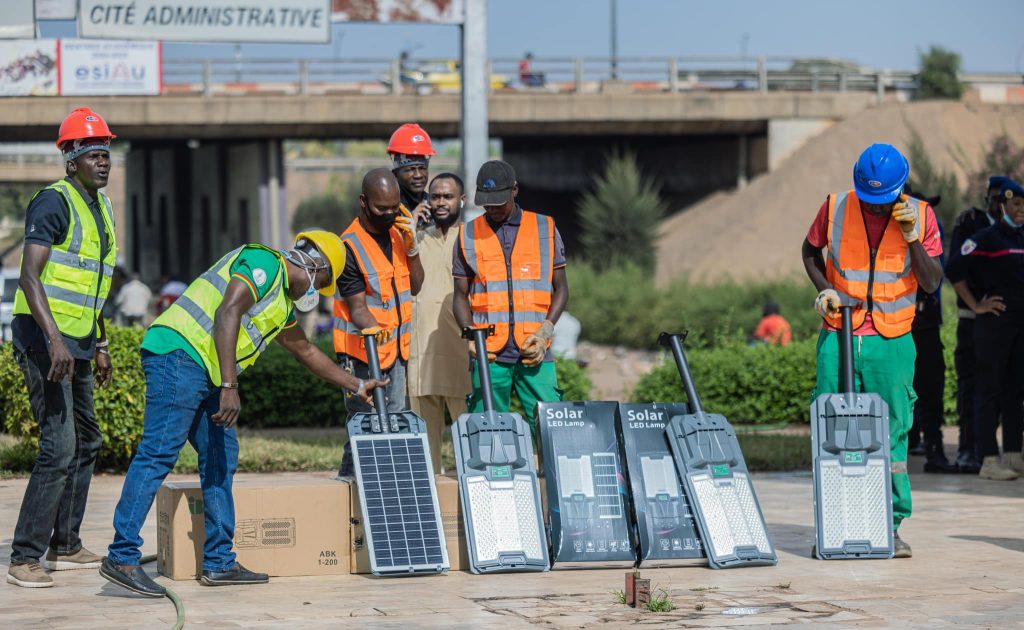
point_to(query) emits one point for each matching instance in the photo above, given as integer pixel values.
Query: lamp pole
(614, 39)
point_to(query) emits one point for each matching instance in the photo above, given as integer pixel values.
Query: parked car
(8, 286)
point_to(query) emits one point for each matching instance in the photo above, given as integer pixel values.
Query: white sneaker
(1014, 462)
(992, 468)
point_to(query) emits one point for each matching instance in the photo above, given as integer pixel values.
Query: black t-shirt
(351, 280)
(46, 223)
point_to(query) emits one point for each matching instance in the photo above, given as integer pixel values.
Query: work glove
(906, 217)
(827, 303)
(380, 334)
(407, 226)
(536, 345)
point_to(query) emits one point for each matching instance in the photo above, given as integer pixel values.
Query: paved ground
(968, 539)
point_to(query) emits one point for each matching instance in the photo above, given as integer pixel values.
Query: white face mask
(309, 301)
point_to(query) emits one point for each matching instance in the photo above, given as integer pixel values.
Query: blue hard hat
(880, 173)
(996, 182)
(1011, 189)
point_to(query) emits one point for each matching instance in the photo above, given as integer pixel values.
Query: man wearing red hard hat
(66, 267)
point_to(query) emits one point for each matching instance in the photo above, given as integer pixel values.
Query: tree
(619, 216)
(938, 76)
(1004, 157)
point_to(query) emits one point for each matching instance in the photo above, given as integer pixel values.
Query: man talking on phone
(410, 150)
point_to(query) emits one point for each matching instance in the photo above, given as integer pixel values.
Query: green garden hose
(179, 607)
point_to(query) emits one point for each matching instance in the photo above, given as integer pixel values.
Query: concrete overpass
(207, 172)
(362, 116)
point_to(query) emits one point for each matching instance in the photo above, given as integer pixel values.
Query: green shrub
(279, 392)
(764, 384)
(746, 384)
(119, 408)
(622, 306)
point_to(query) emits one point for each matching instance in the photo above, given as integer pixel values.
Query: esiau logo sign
(106, 67)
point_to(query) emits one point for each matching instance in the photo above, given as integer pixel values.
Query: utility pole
(615, 38)
(475, 83)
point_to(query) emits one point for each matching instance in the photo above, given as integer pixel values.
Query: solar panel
(606, 485)
(399, 504)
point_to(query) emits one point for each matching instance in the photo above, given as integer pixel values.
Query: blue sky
(876, 33)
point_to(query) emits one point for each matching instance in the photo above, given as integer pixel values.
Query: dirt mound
(756, 233)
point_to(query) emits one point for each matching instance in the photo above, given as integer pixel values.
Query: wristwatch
(229, 385)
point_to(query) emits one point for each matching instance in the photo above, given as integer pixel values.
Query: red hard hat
(410, 139)
(83, 123)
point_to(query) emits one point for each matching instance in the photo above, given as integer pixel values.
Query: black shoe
(937, 461)
(967, 464)
(236, 575)
(134, 579)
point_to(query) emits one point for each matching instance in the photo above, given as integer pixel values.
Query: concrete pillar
(273, 222)
(741, 162)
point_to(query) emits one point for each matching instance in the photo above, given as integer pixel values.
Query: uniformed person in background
(988, 275)
(968, 223)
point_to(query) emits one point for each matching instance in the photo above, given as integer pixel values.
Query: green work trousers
(531, 384)
(884, 367)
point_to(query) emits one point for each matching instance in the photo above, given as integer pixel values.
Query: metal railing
(549, 74)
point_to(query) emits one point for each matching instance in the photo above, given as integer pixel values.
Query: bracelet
(103, 344)
(229, 385)
(361, 388)
(103, 351)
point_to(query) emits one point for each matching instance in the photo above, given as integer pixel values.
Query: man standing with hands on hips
(880, 245)
(509, 269)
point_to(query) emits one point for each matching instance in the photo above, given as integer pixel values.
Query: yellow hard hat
(331, 247)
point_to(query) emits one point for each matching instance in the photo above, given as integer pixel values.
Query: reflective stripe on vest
(892, 284)
(388, 297)
(512, 295)
(192, 315)
(75, 280)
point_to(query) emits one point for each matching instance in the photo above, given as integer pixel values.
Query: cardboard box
(285, 527)
(591, 524)
(451, 521)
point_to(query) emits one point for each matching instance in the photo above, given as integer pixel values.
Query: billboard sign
(17, 20)
(98, 67)
(29, 67)
(55, 9)
(437, 11)
(265, 21)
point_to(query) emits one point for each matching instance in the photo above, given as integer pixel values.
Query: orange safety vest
(388, 297)
(514, 296)
(883, 282)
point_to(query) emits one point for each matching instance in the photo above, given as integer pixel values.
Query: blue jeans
(179, 402)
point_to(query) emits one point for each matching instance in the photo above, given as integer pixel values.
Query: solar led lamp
(851, 465)
(715, 476)
(395, 482)
(576, 488)
(498, 483)
(661, 491)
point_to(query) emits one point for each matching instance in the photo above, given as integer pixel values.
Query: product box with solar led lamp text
(288, 526)
(590, 523)
(665, 525)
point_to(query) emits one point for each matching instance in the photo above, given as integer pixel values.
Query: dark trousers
(963, 359)
(69, 439)
(930, 385)
(999, 384)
